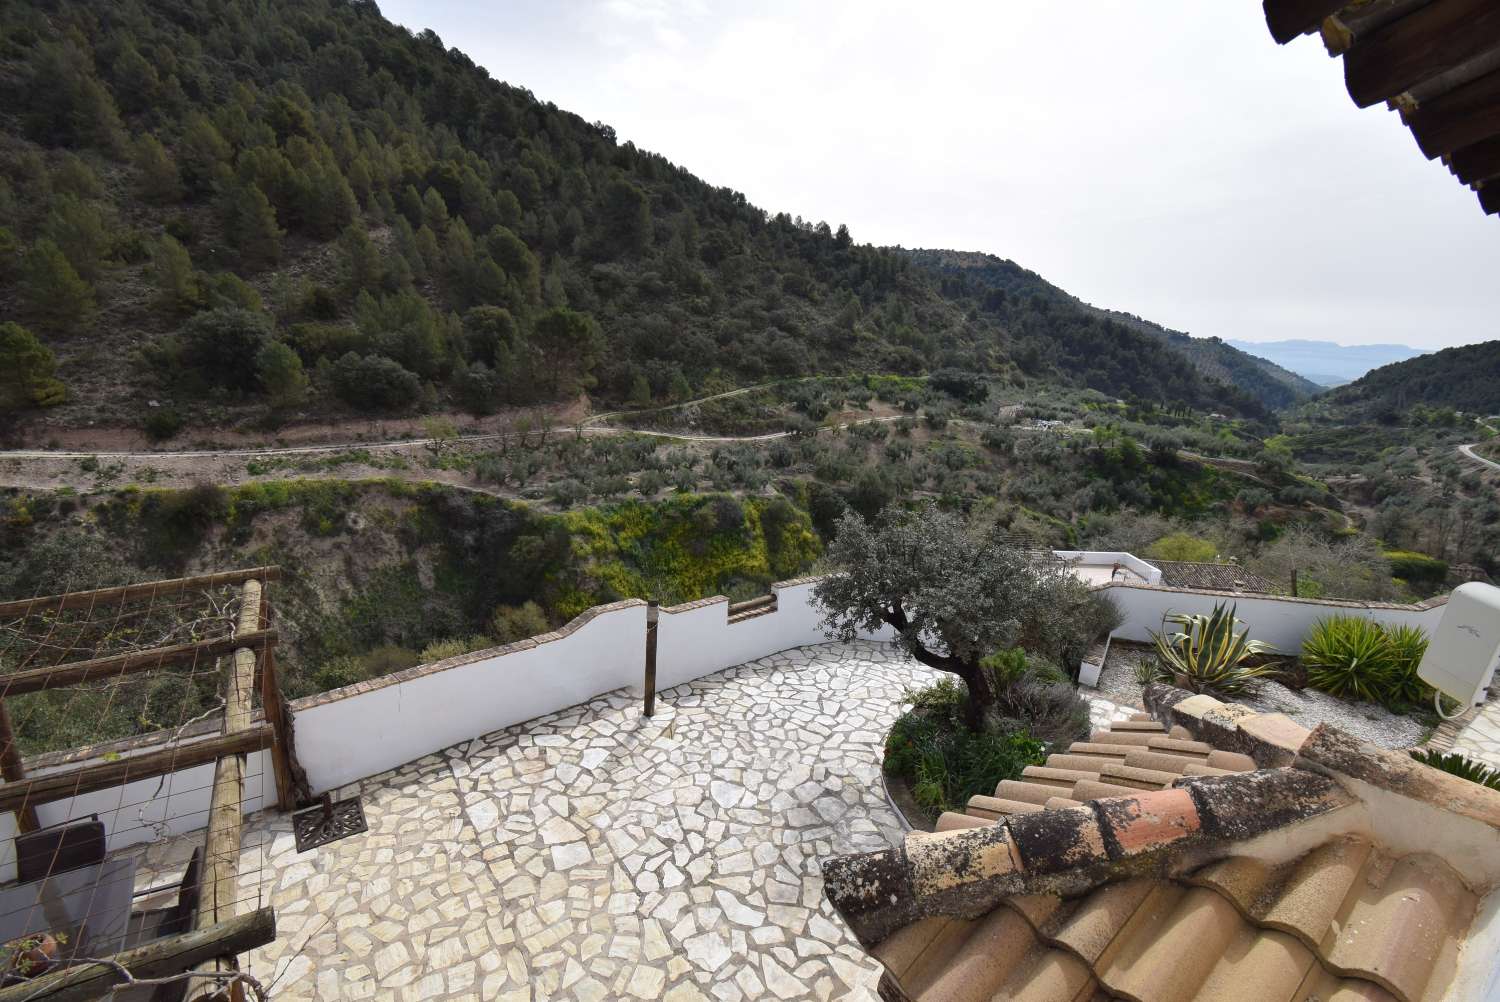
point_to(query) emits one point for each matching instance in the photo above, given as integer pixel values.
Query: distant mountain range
(1326, 362)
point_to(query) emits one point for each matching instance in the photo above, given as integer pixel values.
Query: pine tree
(157, 178)
(53, 290)
(250, 226)
(281, 376)
(26, 371)
(172, 272)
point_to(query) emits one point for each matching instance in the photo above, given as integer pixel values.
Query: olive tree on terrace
(953, 597)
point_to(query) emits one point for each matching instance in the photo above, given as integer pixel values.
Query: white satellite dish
(1460, 659)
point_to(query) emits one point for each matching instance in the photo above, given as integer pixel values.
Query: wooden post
(1294, 582)
(221, 854)
(12, 770)
(160, 958)
(276, 715)
(652, 615)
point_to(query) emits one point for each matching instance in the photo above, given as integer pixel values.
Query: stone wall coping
(420, 671)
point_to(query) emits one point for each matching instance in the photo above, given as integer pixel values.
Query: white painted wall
(1279, 621)
(1108, 558)
(697, 641)
(146, 810)
(341, 739)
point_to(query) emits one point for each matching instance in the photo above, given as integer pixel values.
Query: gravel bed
(1309, 707)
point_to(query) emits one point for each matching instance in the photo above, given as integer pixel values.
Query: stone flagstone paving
(1480, 740)
(594, 854)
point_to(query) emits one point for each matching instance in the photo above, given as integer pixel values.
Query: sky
(1165, 158)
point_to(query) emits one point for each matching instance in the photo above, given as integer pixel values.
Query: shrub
(373, 382)
(1209, 654)
(1355, 658)
(1410, 566)
(518, 622)
(1181, 546)
(441, 650)
(222, 346)
(944, 762)
(162, 423)
(1457, 765)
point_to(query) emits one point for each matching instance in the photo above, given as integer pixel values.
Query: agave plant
(1349, 657)
(1210, 653)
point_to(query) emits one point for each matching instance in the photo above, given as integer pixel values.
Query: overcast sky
(1162, 157)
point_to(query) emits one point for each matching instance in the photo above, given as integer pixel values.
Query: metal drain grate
(328, 822)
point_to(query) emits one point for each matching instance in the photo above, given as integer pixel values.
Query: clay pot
(36, 958)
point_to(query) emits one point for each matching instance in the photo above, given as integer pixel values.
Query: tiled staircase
(1130, 756)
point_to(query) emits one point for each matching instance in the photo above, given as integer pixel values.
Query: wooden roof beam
(1489, 199)
(1479, 162)
(1459, 118)
(1429, 41)
(1289, 18)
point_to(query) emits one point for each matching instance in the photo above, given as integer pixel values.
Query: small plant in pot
(32, 956)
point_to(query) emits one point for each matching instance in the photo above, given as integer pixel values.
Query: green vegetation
(1181, 546)
(26, 368)
(1210, 653)
(1458, 765)
(943, 762)
(396, 217)
(380, 576)
(1357, 658)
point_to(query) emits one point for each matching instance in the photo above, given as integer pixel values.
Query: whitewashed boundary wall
(1278, 620)
(372, 726)
(697, 638)
(1105, 558)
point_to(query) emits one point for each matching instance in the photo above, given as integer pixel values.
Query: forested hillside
(1465, 379)
(218, 213)
(1214, 359)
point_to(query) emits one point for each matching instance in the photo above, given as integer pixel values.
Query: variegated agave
(1209, 653)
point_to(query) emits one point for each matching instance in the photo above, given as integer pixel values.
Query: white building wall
(369, 727)
(1279, 621)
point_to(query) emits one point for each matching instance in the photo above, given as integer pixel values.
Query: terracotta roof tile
(1147, 896)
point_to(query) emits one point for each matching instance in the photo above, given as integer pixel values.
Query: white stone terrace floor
(1480, 739)
(595, 854)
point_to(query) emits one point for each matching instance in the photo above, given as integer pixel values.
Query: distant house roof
(1211, 577)
(1334, 870)
(1436, 62)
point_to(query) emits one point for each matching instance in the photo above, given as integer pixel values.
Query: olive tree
(953, 596)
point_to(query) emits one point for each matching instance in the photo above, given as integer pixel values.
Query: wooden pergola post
(276, 714)
(221, 851)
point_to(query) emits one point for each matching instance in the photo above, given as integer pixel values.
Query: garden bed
(1308, 707)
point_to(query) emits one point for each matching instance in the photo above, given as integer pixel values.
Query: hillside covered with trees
(1462, 379)
(214, 214)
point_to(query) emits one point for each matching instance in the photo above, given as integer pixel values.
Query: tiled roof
(1132, 867)
(1211, 577)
